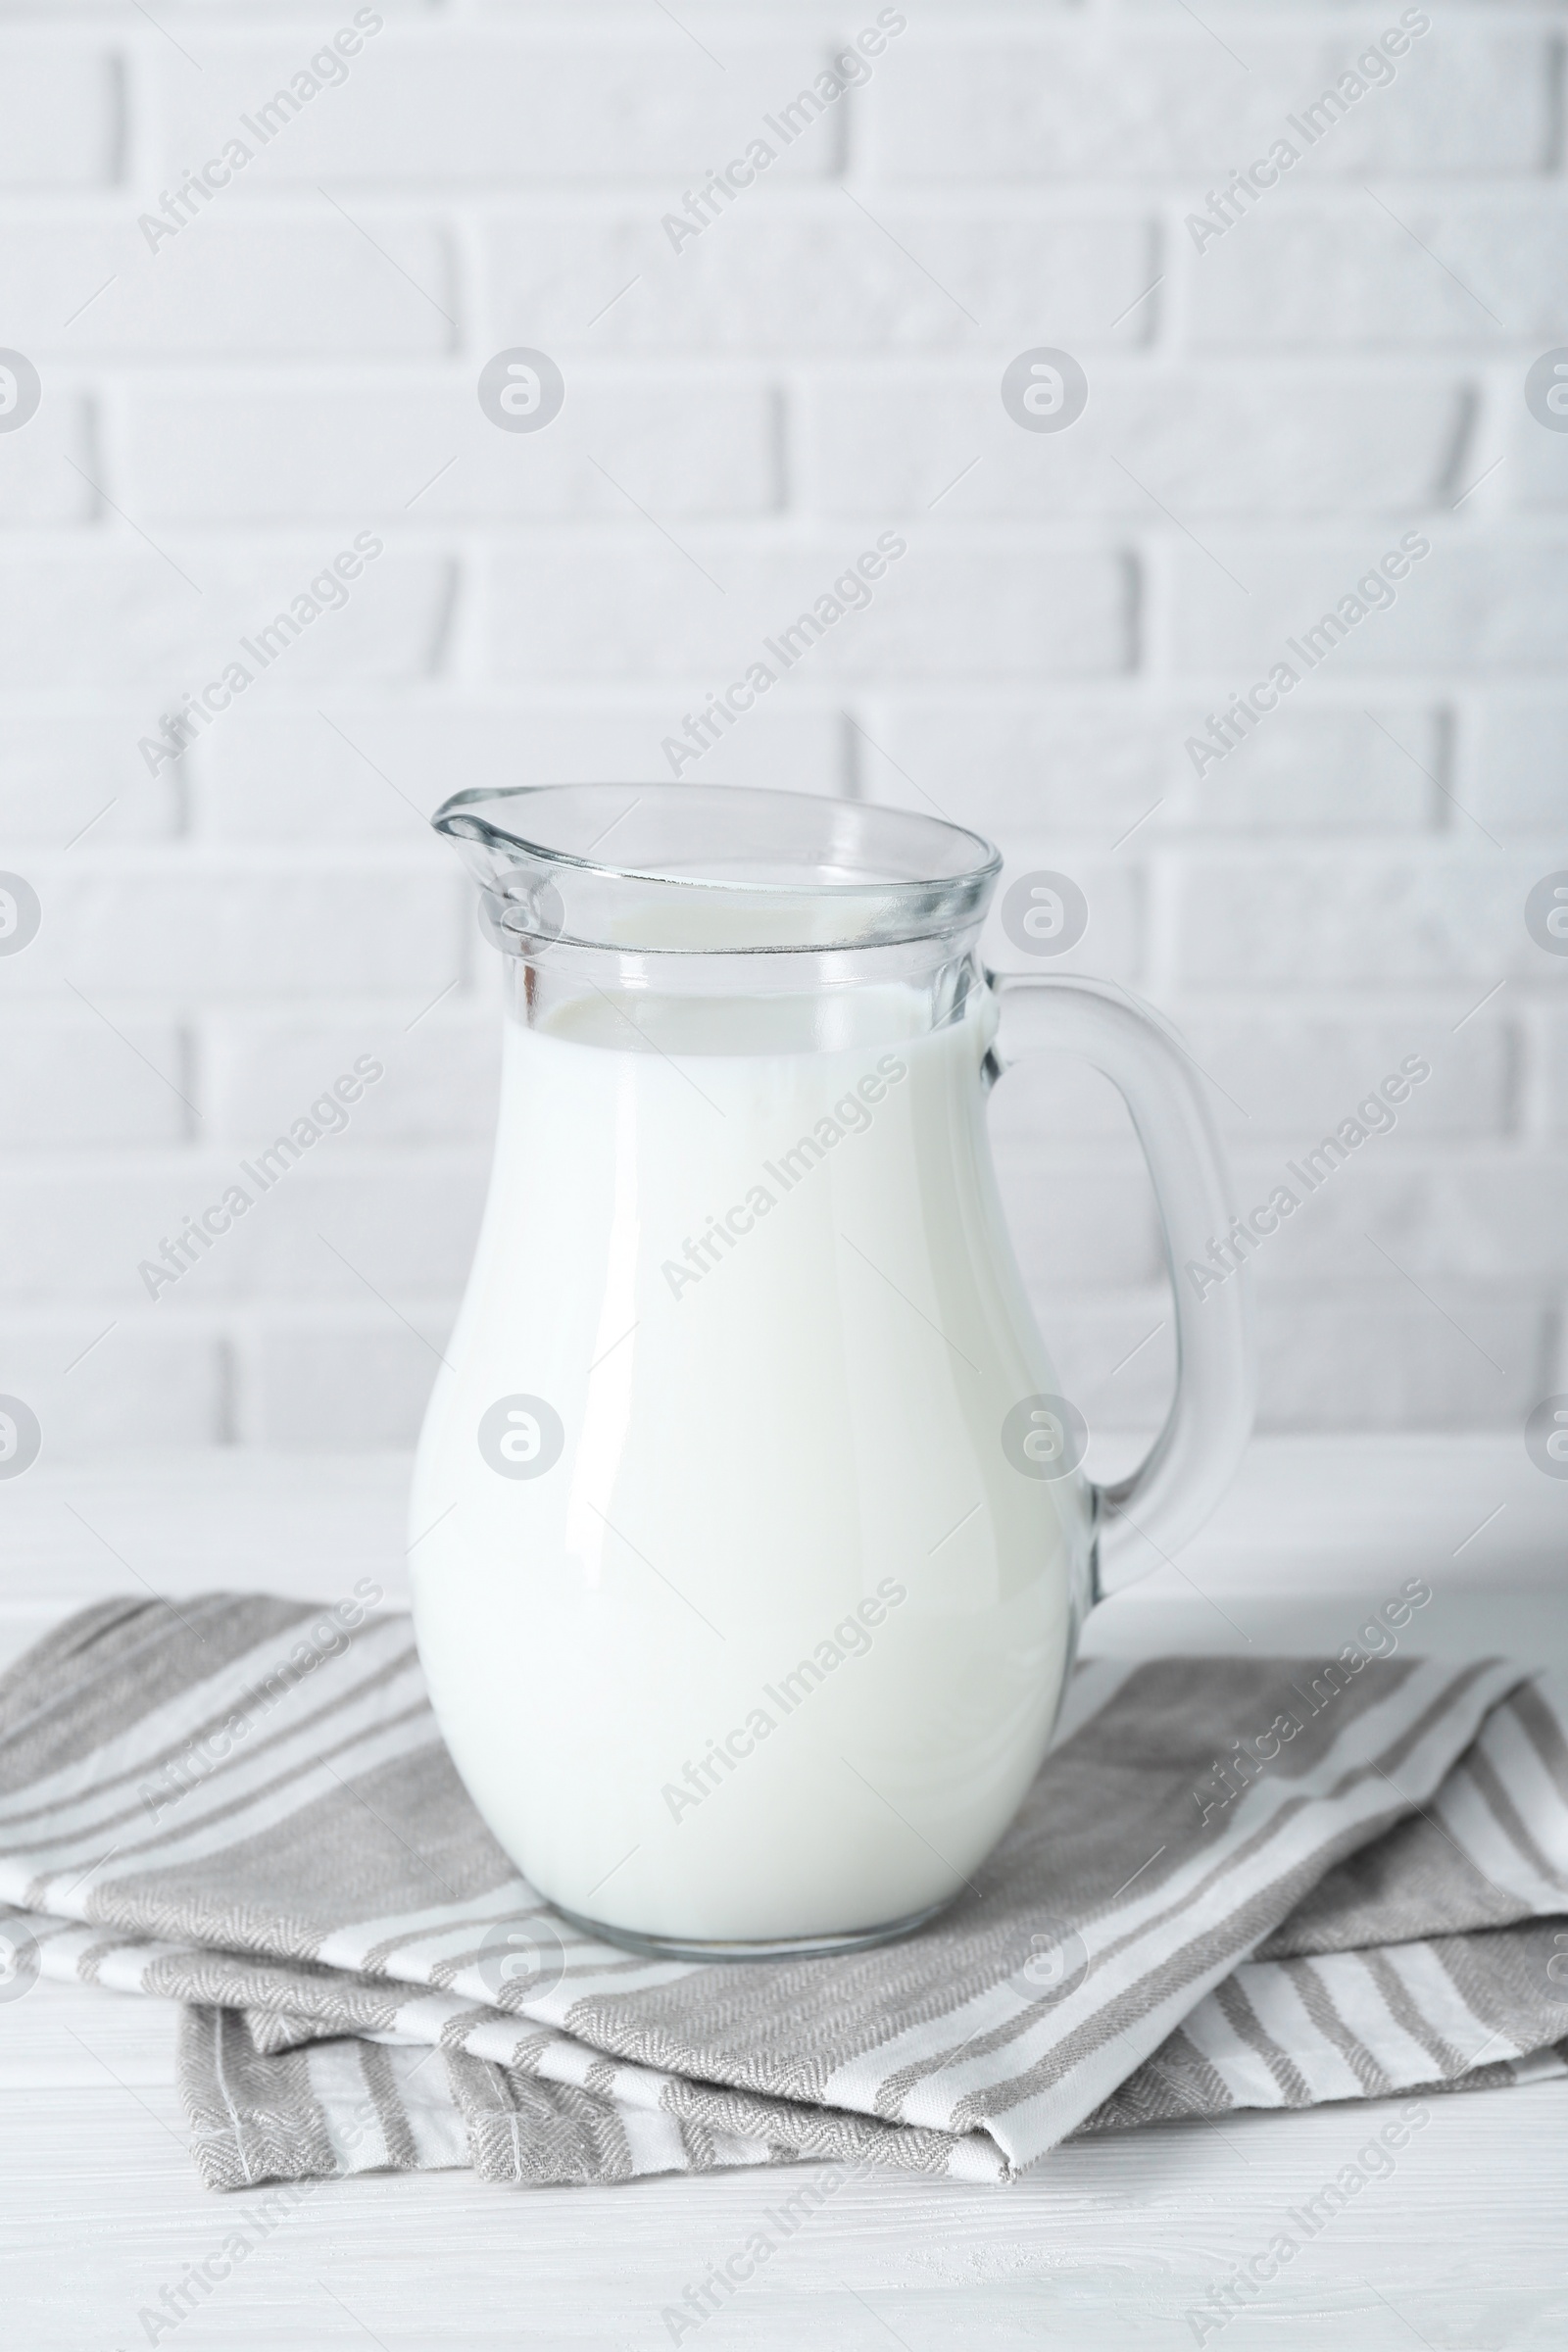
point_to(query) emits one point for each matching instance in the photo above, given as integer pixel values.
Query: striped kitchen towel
(1235, 1883)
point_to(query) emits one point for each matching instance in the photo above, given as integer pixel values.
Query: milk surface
(773, 1645)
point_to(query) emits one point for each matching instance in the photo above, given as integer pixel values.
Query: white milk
(773, 1649)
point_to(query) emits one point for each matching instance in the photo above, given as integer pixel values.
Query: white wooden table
(1465, 2247)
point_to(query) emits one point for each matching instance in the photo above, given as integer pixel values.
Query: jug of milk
(751, 1536)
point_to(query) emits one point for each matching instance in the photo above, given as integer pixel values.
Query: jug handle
(1145, 1517)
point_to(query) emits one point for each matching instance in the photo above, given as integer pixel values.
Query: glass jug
(751, 1538)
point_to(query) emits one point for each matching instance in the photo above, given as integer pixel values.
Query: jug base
(784, 1947)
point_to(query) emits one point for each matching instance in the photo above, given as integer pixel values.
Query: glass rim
(772, 871)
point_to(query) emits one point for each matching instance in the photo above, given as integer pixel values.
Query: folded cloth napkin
(1236, 1883)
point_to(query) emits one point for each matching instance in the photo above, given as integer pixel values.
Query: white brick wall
(1267, 416)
